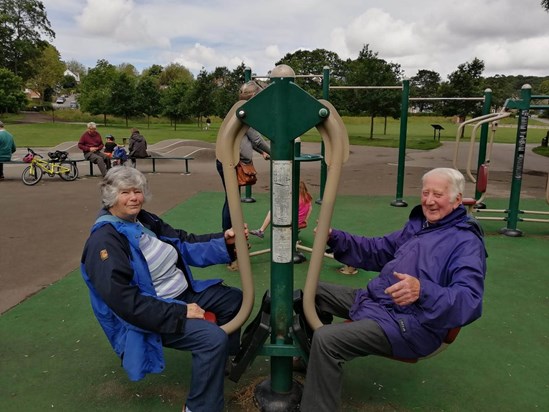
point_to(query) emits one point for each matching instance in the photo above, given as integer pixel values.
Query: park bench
(155, 158)
(186, 159)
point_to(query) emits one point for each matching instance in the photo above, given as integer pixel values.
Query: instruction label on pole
(281, 187)
(282, 192)
(282, 244)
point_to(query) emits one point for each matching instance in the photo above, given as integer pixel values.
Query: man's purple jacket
(448, 258)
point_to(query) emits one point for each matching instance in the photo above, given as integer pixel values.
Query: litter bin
(544, 140)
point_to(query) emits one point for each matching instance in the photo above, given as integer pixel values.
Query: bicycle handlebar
(34, 153)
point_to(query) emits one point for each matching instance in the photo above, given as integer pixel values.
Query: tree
(174, 101)
(122, 100)
(148, 97)
(545, 4)
(49, 73)
(502, 89)
(227, 83)
(369, 70)
(68, 82)
(313, 62)
(155, 71)
(201, 97)
(175, 72)
(96, 88)
(425, 84)
(23, 23)
(129, 69)
(466, 81)
(12, 99)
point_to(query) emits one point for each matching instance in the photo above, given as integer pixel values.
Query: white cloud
(509, 35)
(119, 21)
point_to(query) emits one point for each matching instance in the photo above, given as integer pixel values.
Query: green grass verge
(419, 131)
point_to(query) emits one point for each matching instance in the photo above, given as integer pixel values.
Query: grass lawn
(69, 125)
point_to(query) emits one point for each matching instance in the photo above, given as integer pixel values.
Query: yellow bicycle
(57, 164)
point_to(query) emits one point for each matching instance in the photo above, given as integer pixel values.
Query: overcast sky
(510, 36)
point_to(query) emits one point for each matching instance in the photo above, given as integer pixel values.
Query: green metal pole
(518, 164)
(323, 166)
(483, 134)
(282, 112)
(282, 276)
(398, 202)
(248, 198)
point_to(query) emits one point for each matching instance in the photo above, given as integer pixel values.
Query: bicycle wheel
(72, 174)
(31, 175)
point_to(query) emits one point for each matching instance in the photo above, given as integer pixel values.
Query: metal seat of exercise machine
(482, 184)
(450, 338)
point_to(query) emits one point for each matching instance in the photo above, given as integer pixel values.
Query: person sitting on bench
(137, 146)
(431, 280)
(91, 144)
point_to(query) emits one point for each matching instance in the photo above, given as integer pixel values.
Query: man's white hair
(454, 177)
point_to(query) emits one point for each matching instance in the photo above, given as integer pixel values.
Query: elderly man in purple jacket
(431, 279)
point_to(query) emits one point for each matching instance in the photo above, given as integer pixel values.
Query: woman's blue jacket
(121, 290)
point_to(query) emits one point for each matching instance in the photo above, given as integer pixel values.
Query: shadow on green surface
(54, 355)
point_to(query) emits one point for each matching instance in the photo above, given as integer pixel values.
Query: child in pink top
(303, 213)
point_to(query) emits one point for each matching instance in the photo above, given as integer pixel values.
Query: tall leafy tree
(466, 81)
(148, 97)
(12, 98)
(175, 72)
(425, 84)
(306, 62)
(23, 24)
(129, 69)
(545, 4)
(227, 84)
(175, 102)
(369, 70)
(123, 100)
(50, 71)
(502, 87)
(96, 89)
(155, 71)
(201, 96)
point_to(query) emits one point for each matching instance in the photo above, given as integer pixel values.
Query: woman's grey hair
(454, 177)
(249, 90)
(120, 178)
(92, 125)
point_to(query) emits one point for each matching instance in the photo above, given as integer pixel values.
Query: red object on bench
(210, 317)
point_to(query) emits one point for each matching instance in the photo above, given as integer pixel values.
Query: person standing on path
(7, 148)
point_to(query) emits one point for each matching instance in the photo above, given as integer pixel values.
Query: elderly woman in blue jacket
(431, 279)
(143, 293)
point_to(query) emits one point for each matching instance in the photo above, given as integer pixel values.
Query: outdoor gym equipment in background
(523, 106)
(405, 88)
(281, 112)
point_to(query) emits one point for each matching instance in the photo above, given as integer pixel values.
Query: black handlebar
(34, 153)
